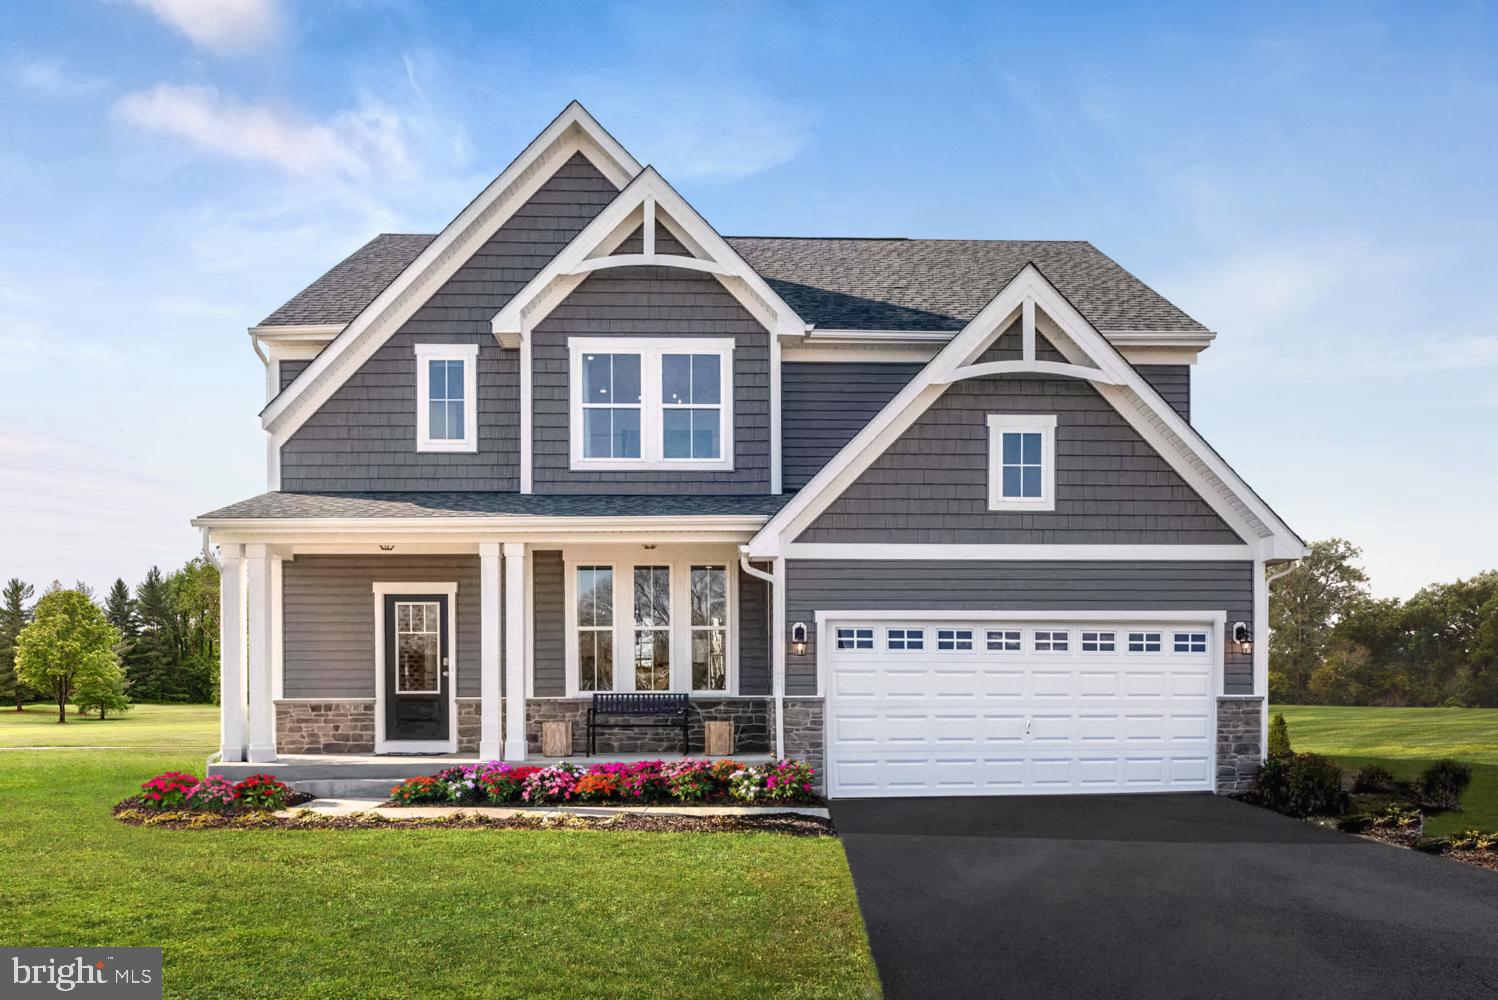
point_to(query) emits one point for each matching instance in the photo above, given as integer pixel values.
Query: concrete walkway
(349, 806)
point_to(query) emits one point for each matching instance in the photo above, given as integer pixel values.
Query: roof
(835, 283)
(484, 504)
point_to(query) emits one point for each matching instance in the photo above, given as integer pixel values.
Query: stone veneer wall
(1240, 748)
(805, 731)
(325, 726)
(470, 724)
(750, 718)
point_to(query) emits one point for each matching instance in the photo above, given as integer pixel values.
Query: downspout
(1269, 578)
(777, 672)
(208, 553)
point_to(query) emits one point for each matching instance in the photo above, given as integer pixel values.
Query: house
(928, 513)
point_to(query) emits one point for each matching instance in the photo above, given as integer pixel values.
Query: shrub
(214, 793)
(420, 791)
(642, 781)
(1373, 778)
(463, 783)
(557, 783)
(781, 782)
(1396, 816)
(724, 768)
(168, 791)
(1303, 784)
(503, 782)
(691, 780)
(262, 791)
(1473, 840)
(1442, 784)
(599, 787)
(1279, 736)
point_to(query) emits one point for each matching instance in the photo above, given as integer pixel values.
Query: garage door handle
(1027, 726)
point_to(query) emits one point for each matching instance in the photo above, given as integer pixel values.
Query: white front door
(937, 707)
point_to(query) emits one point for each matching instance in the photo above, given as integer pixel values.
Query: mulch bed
(130, 812)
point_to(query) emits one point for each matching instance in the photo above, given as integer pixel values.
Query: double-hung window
(651, 404)
(1021, 462)
(446, 387)
(709, 628)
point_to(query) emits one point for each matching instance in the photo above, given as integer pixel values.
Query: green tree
(67, 643)
(194, 590)
(154, 658)
(1307, 604)
(1279, 736)
(103, 693)
(119, 608)
(14, 614)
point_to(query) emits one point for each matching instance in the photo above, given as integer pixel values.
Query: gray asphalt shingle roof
(480, 504)
(836, 283)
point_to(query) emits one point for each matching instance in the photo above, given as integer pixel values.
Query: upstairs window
(1021, 462)
(446, 383)
(651, 404)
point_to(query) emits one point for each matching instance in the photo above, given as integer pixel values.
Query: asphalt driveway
(1157, 896)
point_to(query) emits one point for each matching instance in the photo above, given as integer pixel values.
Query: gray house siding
(289, 370)
(548, 605)
(979, 585)
(328, 627)
(931, 485)
(364, 436)
(1173, 383)
(651, 302)
(823, 404)
(754, 635)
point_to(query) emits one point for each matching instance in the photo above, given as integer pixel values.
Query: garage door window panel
(1052, 641)
(1099, 642)
(855, 638)
(905, 639)
(1005, 640)
(1144, 642)
(1190, 642)
(959, 640)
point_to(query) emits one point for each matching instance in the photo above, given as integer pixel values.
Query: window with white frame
(652, 628)
(1144, 642)
(1190, 642)
(595, 628)
(446, 391)
(958, 639)
(1021, 461)
(1051, 641)
(709, 628)
(1003, 640)
(855, 638)
(1098, 642)
(651, 403)
(909, 639)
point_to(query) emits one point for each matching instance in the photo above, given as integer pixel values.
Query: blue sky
(1317, 184)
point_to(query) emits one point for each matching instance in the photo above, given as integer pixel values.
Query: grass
(410, 913)
(156, 727)
(1406, 740)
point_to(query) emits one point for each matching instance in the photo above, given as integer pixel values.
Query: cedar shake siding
(824, 586)
(548, 606)
(289, 370)
(364, 437)
(823, 404)
(754, 634)
(1173, 383)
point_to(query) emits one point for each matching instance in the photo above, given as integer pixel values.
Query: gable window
(651, 404)
(1021, 461)
(446, 387)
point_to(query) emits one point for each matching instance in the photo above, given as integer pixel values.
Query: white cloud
(49, 78)
(371, 139)
(225, 27)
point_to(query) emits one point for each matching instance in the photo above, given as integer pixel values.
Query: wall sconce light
(798, 639)
(1244, 638)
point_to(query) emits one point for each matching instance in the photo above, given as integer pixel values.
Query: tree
(155, 657)
(195, 600)
(119, 608)
(13, 617)
(68, 642)
(1307, 604)
(104, 693)
(1279, 736)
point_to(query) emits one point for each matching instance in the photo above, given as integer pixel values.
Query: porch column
(231, 639)
(262, 710)
(515, 647)
(490, 690)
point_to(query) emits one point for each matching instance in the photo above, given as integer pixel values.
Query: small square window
(1021, 461)
(1098, 642)
(906, 638)
(954, 638)
(1190, 642)
(855, 638)
(1052, 641)
(1003, 641)
(1144, 642)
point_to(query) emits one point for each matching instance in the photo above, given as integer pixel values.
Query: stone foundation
(805, 730)
(470, 724)
(325, 726)
(1240, 748)
(750, 718)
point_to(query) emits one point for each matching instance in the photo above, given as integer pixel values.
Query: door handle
(1027, 725)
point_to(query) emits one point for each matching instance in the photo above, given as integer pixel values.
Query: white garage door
(923, 707)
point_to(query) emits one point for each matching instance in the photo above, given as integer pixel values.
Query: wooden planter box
(556, 739)
(718, 738)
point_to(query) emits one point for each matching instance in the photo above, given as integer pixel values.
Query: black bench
(673, 707)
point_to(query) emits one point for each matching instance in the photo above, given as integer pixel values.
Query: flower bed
(180, 793)
(651, 782)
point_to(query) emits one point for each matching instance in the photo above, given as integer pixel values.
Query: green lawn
(1405, 740)
(155, 727)
(410, 913)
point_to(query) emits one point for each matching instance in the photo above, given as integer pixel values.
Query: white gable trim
(1176, 441)
(573, 131)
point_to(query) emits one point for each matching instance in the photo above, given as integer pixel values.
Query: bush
(691, 780)
(213, 793)
(1373, 778)
(1279, 736)
(1303, 784)
(557, 783)
(1473, 840)
(262, 791)
(420, 791)
(1396, 817)
(598, 787)
(168, 791)
(502, 782)
(781, 782)
(463, 784)
(1442, 784)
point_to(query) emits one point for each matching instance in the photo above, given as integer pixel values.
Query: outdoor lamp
(798, 639)
(1244, 638)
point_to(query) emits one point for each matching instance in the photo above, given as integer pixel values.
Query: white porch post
(262, 711)
(231, 641)
(1260, 627)
(515, 646)
(490, 746)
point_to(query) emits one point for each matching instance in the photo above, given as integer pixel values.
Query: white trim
(1100, 553)
(776, 435)
(1192, 341)
(278, 627)
(1132, 396)
(468, 354)
(793, 352)
(297, 331)
(1029, 367)
(353, 528)
(778, 639)
(491, 685)
(998, 425)
(651, 351)
(260, 669)
(381, 589)
(527, 416)
(519, 637)
(573, 131)
(233, 627)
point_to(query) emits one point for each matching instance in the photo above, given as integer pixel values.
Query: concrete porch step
(348, 788)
